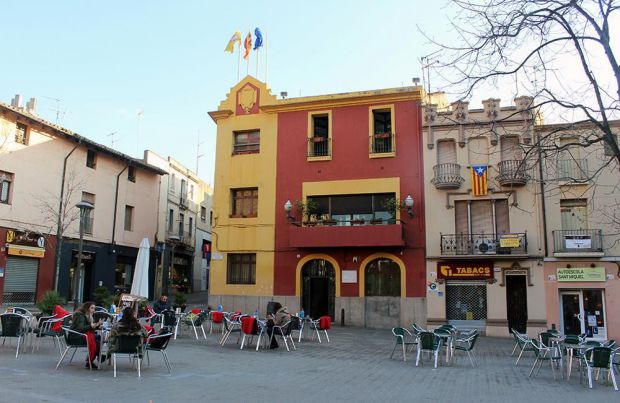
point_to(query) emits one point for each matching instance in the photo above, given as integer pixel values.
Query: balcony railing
(335, 234)
(572, 170)
(319, 147)
(512, 173)
(447, 176)
(381, 143)
(578, 241)
(484, 244)
(88, 225)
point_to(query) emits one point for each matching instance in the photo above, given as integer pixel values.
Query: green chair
(522, 341)
(429, 342)
(403, 339)
(131, 346)
(14, 325)
(599, 358)
(467, 345)
(544, 353)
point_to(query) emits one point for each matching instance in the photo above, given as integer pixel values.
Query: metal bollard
(342, 317)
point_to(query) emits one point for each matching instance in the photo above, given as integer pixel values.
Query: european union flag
(258, 42)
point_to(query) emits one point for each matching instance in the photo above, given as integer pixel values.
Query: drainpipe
(542, 195)
(118, 177)
(59, 221)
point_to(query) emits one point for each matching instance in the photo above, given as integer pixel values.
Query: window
(570, 165)
(382, 119)
(347, 209)
(478, 149)
(245, 202)
(510, 149)
(382, 278)
(171, 220)
(21, 134)
(191, 191)
(128, 218)
(319, 136)
(6, 179)
(246, 142)
(91, 159)
(181, 224)
(574, 214)
(211, 218)
(131, 174)
(173, 179)
(203, 213)
(446, 152)
(123, 273)
(183, 195)
(241, 268)
(191, 226)
(477, 217)
(89, 216)
(382, 137)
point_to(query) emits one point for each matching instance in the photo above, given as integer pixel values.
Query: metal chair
(544, 353)
(217, 318)
(79, 340)
(428, 342)
(323, 323)
(131, 346)
(14, 325)
(169, 321)
(195, 321)
(159, 343)
(467, 344)
(522, 341)
(600, 358)
(403, 338)
(285, 331)
(230, 327)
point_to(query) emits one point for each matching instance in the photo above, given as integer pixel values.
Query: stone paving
(354, 366)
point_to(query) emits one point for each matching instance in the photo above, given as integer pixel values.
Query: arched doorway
(382, 290)
(318, 285)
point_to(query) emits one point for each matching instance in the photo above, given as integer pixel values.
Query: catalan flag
(236, 38)
(479, 180)
(247, 45)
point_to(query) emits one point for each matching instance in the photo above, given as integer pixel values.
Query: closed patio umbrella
(140, 284)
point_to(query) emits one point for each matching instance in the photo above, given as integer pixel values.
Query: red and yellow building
(319, 204)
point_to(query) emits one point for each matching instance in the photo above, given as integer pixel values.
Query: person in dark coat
(128, 325)
(162, 304)
(280, 317)
(82, 322)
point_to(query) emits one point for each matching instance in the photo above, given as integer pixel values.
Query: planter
(376, 221)
(318, 139)
(383, 135)
(357, 222)
(330, 222)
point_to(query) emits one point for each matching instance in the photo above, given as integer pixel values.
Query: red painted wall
(47, 264)
(350, 161)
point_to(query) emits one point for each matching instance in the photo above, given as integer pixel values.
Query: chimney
(31, 106)
(17, 101)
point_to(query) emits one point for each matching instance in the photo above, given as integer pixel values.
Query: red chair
(249, 327)
(218, 319)
(324, 323)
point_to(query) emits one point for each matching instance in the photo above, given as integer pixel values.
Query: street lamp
(84, 208)
(409, 205)
(288, 206)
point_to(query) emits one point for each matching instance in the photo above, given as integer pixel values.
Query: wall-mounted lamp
(288, 206)
(409, 205)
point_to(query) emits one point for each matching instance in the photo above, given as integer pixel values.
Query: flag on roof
(258, 42)
(247, 45)
(236, 38)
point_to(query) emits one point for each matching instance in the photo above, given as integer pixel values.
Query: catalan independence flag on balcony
(479, 180)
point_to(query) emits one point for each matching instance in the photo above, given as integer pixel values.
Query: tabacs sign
(465, 270)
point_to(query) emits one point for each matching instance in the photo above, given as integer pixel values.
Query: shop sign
(26, 251)
(581, 274)
(577, 241)
(465, 270)
(509, 241)
(349, 276)
(25, 238)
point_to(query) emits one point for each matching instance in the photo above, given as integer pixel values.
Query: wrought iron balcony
(381, 143)
(577, 241)
(572, 170)
(512, 173)
(319, 147)
(447, 176)
(484, 244)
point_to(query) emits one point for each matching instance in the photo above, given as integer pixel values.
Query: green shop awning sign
(581, 274)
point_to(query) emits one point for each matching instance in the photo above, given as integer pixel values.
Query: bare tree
(560, 52)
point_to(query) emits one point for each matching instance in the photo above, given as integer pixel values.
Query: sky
(107, 61)
(149, 71)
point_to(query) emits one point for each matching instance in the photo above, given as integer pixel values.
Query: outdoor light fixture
(409, 205)
(288, 206)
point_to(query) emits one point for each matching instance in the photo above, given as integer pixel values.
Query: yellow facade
(239, 235)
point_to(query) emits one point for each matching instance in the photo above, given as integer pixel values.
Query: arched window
(382, 278)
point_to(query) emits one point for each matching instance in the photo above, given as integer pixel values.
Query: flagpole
(257, 59)
(247, 66)
(266, 58)
(238, 60)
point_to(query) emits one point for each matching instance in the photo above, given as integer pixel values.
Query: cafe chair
(159, 343)
(466, 344)
(522, 342)
(231, 326)
(403, 339)
(131, 346)
(50, 326)
(100, 309)
(285, 331)
(324, 323)
(544, 353)
(195, 321)
(428, 342)
(216, 318)
(599, 358)
(250, 327)
(14, 325)
(169, 321)
(74, 341)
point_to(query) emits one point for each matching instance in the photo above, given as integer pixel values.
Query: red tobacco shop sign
(465, 270)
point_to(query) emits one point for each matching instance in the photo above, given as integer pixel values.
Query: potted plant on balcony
(327, 220)
(392, 205)
(308, 210)
(357, 221)
(382, 135)
(318, 139)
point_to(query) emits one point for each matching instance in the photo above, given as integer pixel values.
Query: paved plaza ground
(355, 366)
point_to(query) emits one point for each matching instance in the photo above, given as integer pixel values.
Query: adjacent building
(45, 170)
(319, 204)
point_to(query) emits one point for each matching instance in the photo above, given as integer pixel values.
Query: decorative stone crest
(460, 111)
(247, 98)
(491, 107)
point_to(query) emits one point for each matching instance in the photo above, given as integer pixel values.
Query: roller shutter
(20, 280)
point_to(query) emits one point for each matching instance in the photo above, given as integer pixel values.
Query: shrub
(49, 300)
(101, 296)
(179, 299)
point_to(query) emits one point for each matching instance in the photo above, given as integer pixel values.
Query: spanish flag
(247, 45)
(479, 180)
(236, 38)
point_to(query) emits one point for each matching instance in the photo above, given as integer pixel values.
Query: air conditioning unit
(485, 247)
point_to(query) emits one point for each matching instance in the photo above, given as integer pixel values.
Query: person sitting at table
(280, 317)
(128, 325)
(162, 304)
(82, 322)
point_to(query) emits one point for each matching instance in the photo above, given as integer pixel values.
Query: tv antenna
(198, 155)
(59, 113)
(426, 63)
(112, 140)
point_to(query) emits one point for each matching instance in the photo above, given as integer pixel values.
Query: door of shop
(516, 302)
(318, 288)
(583, 312)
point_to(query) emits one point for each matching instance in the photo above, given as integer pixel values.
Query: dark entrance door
(318, 288)
(516, 302)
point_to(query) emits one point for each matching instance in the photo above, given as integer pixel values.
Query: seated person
(280, 317)
(82, 322)
(128, 325)
(162, 304)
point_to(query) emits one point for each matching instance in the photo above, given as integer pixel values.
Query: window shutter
(482, 217)
(502, 216)
(446, 152)
(478, 149)
(462, 223)
(510, 150)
